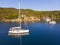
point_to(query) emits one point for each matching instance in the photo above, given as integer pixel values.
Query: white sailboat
(52, 21)
(18, 30)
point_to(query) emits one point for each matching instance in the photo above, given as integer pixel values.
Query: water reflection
(52, 26)
(18, 36)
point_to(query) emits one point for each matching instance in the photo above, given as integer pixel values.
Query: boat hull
(18, 31)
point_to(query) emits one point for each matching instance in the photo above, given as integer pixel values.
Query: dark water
(40, 34)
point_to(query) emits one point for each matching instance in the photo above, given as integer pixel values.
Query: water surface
(40, 34)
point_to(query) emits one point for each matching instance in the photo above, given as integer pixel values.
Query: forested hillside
(12, 13)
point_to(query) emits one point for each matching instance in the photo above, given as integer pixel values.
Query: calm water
(40, 34)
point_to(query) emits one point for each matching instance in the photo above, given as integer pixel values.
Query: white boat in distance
(52, 22)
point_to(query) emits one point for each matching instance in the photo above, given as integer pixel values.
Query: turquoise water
(40, 34)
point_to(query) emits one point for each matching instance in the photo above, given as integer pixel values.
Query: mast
(20, 22)
(19, 16)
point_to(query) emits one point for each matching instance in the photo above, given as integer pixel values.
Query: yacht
(52, 22)
(18, 30)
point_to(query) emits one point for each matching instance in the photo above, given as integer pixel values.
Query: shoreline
(18, 20)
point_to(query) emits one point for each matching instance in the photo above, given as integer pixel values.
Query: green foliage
(8, 13)
(52, 14)
(12, 13)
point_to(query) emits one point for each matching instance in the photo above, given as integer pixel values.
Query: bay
(40, 34)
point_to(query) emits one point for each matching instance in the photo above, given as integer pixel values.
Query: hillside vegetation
(12, 13)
